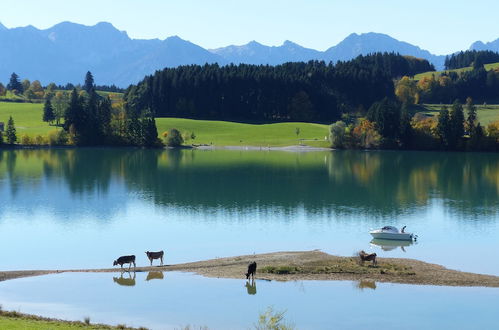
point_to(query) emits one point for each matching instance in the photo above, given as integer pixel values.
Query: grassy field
(28, 120)
(236, 134)
(437, 73)
(486, 113)
(27, 117)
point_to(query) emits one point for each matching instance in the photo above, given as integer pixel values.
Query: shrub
(57, 138)
(26, 140)
(174, 138)
(40, 140)
(271, 320)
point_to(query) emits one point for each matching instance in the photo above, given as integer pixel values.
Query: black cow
(251, 270)
(125, 260)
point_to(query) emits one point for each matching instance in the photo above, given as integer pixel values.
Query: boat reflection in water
(390, 245)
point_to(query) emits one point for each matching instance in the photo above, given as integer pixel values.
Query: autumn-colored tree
(493, 131)
(406, 90)
(365, 135)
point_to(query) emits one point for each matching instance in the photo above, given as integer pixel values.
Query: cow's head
(115, 262)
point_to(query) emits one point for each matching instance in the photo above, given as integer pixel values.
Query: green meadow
(28, 120)
(27, 117)
(420, 76)
(238, 134)
(486, 113)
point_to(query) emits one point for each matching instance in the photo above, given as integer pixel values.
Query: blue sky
(441, 26)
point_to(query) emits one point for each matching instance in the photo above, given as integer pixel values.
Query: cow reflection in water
(154, 276)
(125, 281)
(366, 285)
(251, 287)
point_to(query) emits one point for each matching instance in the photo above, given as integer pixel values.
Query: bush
(40, 140)
(26, 140)
(174, 138)
(58, 138)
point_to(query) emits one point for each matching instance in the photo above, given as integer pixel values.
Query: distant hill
(64, 52)
(479, 45)
(362, 44)
(256, 53)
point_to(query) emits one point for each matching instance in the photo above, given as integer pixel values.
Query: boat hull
(392, 236)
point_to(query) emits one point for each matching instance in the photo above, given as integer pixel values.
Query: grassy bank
(420, 76)
(16, 320)
(28, 119)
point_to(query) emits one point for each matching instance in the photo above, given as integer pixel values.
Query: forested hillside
(313, 91)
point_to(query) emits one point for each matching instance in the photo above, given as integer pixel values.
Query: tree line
(391, 124)
(86, 118)
(34, 91)
(470, 58)
(313, 91)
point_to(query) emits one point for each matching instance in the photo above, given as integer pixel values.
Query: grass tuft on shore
(341, 266)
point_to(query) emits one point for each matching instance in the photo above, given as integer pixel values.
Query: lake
(175, 300)
(81, 208)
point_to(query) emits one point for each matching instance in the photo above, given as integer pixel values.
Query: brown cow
(155, 255)
(367, 257)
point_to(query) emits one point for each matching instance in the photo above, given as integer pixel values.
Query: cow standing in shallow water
(155, 255)
(125, 260)
(251, 270)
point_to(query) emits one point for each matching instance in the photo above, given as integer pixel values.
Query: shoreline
(306, 265)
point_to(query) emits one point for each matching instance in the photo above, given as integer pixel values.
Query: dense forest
(313, 91)
(469, 58)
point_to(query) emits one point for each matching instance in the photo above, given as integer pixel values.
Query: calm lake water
(180, 299)
(69, 208)
(66, 208)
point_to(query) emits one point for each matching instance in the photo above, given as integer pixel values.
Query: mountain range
(66, 51)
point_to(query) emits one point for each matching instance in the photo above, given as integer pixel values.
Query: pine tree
(48, 112)
(149, 131)
(10, 133)
(456, 120)
(443, 126)
(405, 126)
(472, 116)
(89, 83)
(15, 84)
(1, 137)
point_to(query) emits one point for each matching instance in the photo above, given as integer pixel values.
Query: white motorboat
(392, 233)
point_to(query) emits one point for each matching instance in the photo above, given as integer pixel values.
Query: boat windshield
(390, 229)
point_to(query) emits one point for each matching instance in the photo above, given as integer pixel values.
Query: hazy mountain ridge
(64, 52)
(480, 45)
